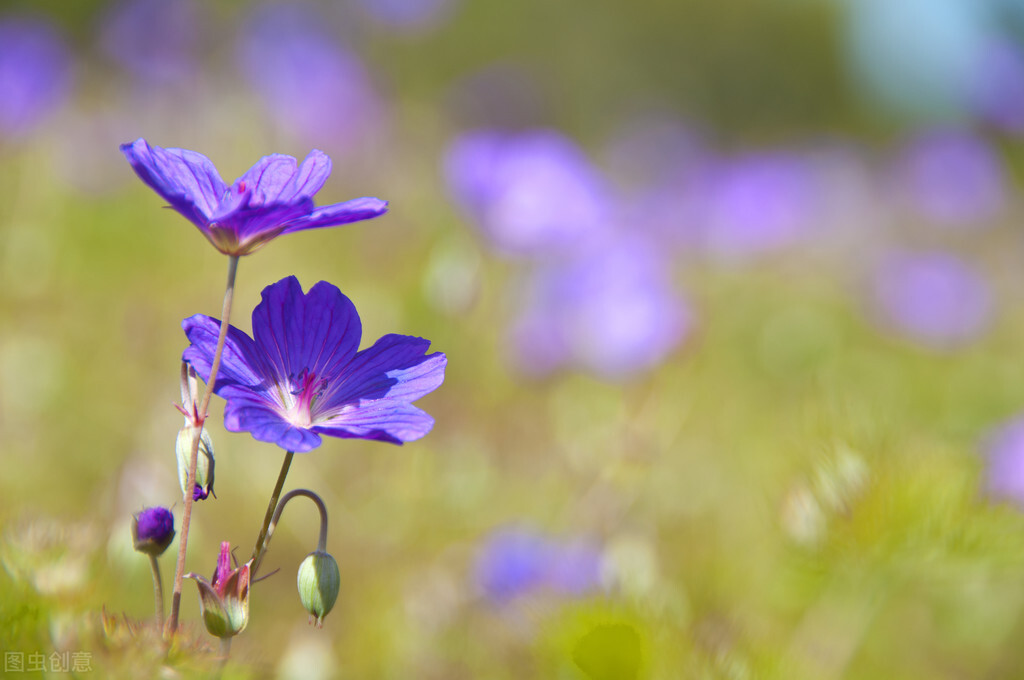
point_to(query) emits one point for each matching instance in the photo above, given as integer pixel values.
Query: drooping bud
(224, 602)
(319, 582)
(153, 531)
(204, 461)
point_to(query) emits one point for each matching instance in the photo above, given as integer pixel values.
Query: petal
(340, 213)
(250, 412)
(394, 368)
(185, 179)
(267, 180)
(240, 362)
(318, 332)
(382, 420)
(313, 172)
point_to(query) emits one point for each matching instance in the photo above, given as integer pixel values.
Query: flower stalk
(322, 540)
(158, 590)
(200, 416)
(261, 540)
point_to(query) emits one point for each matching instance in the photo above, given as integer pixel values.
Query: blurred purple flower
(274, 197)
(1004, 451)
(612, 311)
(757, 203)
(934, 298)
(35, 73)
(314, 88)
(998, 92)
(530, 193)
(154, 40)
(952, 178)
(515, 561)
(409, 15)
(301, 376)
(512, 562)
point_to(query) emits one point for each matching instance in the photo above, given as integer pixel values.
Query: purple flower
(517, 560)
(998, 92)
(154, 40)
(934, 298)
(153, 530)
(411, 15)
(35, 73)
(530, 193)
(302, 376)
(512, 562)
(274, 197)
(309, 82)
(1004, 449)
(952, 178)
(758, 203)
(612, 310)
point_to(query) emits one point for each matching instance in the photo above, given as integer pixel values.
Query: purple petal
(240, 362)
(267, 180)
(394, 368)
(312, 174)
(316, 332)
(250, 411)
(340, 213)
(382, 420)
(185, 179)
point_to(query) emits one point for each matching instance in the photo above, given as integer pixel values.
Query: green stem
(186, 514)
(261, 540)
(321, 542)
(158, 590)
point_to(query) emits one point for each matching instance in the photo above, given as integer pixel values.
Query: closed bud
(319, 582)
(204, 461)
(153, 531)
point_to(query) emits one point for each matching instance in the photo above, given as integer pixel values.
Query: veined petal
(340, 213)
(185, 179)
(267, 180)
(382, 420)
(240, 362)
(312, 174)
(318, 332)
(394, 367)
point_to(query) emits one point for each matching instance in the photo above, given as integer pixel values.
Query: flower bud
(319, 582)
(153, 530)
(204, 461)
(224, 601)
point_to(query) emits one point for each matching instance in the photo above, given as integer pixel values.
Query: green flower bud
(204, 461)
(319, 582)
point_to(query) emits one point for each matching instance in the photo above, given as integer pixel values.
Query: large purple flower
(274, 197)
(301, 375)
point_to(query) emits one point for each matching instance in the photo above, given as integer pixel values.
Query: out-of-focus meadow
(730, 294)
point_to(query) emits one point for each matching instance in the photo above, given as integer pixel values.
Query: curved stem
(321, 542)
(261, 540)
(186, 514)
(158, 590)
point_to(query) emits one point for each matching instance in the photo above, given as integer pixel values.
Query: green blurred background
(792, 490)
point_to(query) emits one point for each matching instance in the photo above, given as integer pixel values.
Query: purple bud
(153, 530)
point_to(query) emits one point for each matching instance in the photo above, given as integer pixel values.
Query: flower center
(307, 388)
